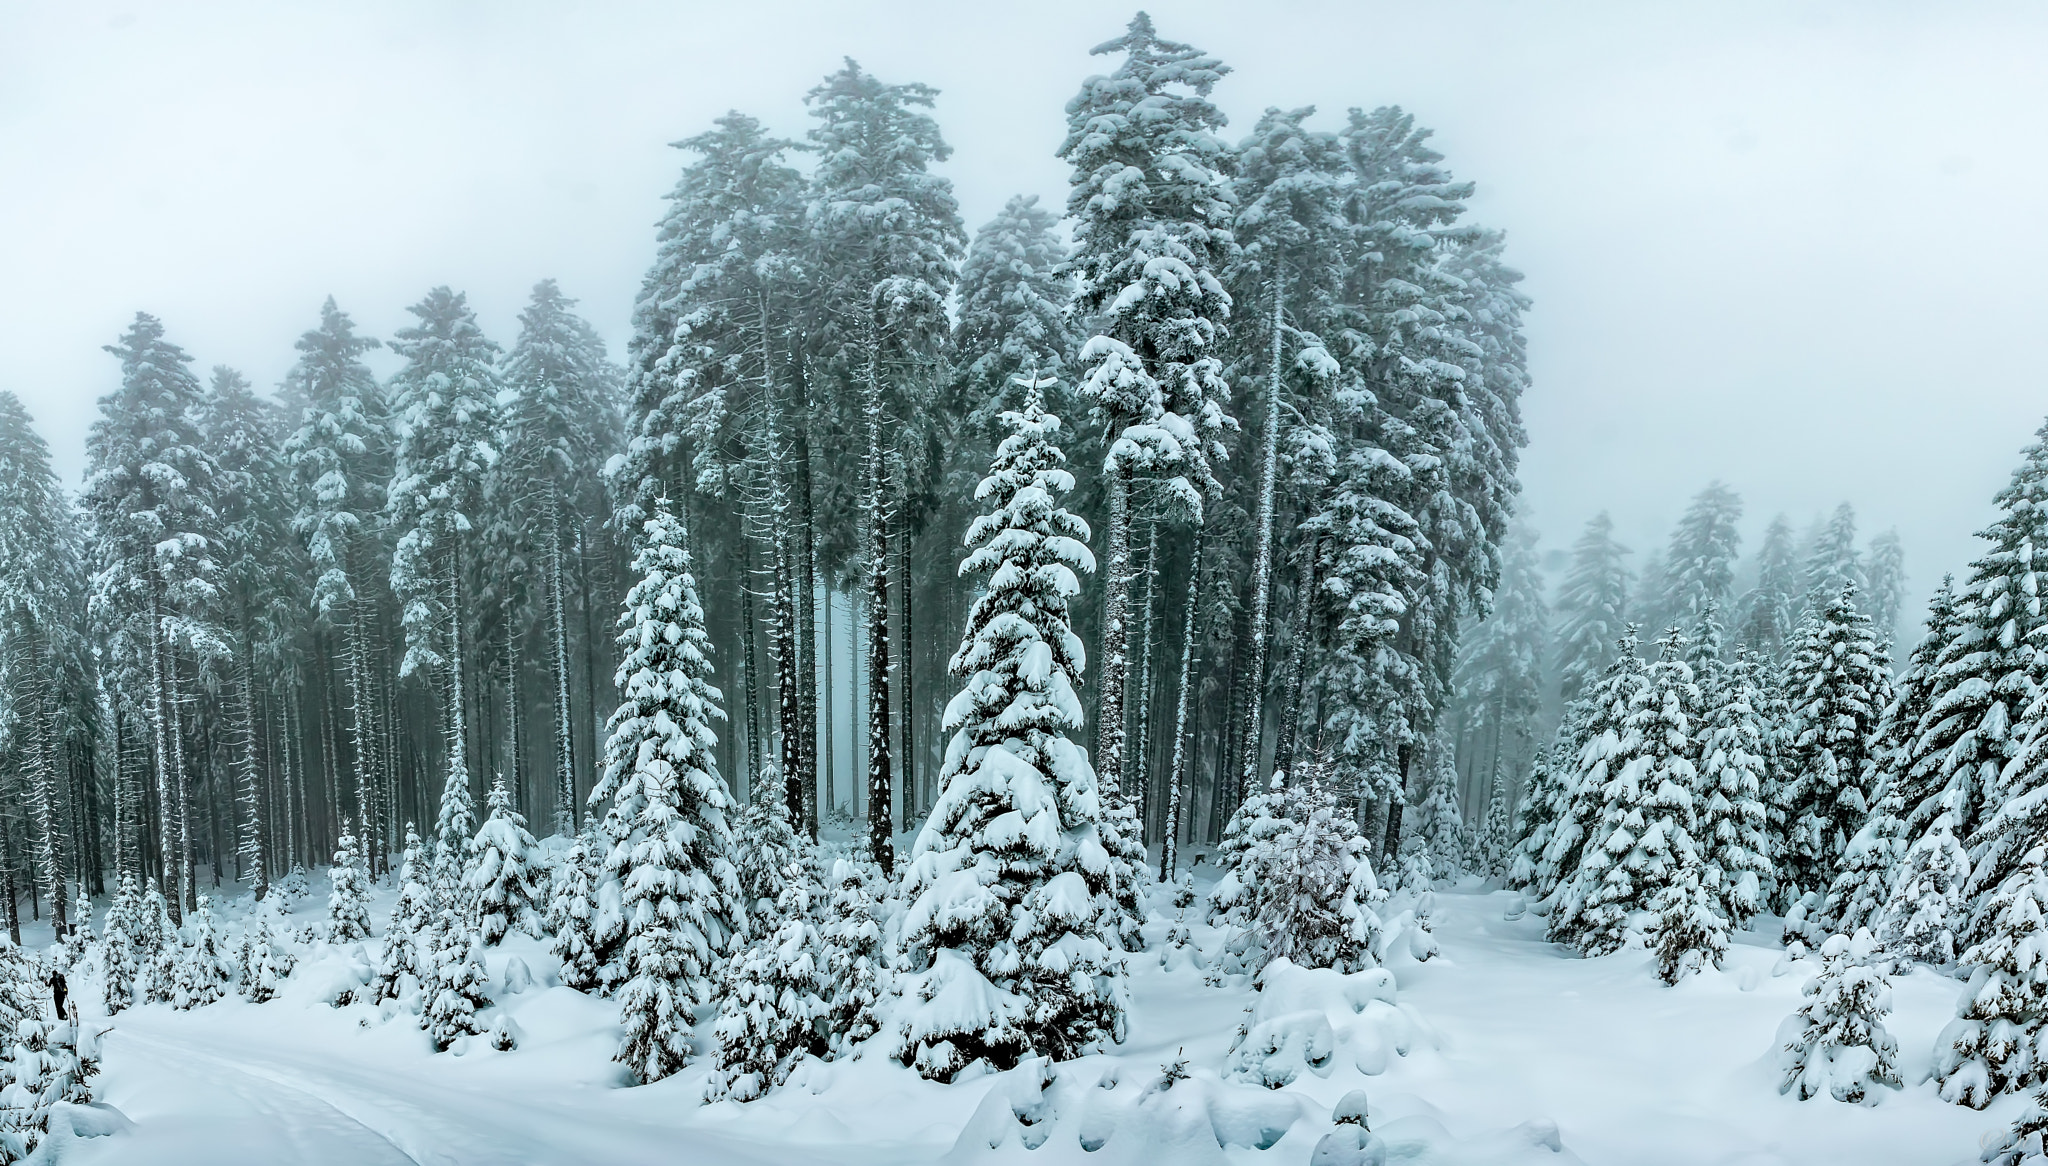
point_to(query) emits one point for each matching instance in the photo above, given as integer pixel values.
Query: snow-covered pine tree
(670, 844)
(1291, 229)
(855, 956)
(339, 454)
(156, 582)
(1315, 902)
(1991, 1046)
(1596, 746)
(408, 931)
(500, 878)
(1769, 609)
(119, 960)
(41, 609)
(445, 404)
(1013, 319)
(1545, 798)
(348, 905)
(1884, 573)
(1837, 683)
(156, 945)
(1916, 772)
(1246, 851)
(1496, 831)
(1837, 1043)
(1832, 560)
(265, 965)
(884, 237)
(1687, 930)
(765, 846)
(1644, 832)
(774, 1006)
(1734, 826)
(1152, 205)
(1443, 819)
(1011, 890)
(203, 972)
(1699, 566)
(560, 423)
(584, 922)
(1925, 907)
(452, 989)
(1869, 864)
(1591, 605)
(261, 590)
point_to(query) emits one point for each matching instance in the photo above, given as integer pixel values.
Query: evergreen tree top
(330, 376)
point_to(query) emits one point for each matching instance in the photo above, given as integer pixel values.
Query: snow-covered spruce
(1010, 888)
(1733, 821)
(855, 957)
(1316, 894)
(1249, 841)
(1644, 831)
(407, 932)
(500, 879)
(348, 904)
(1836, 1043)
(669, 842)
(452, 990)
(120, 965)
(1838, 685)
(1591, 741)
(265, 965)
(584, 921)
(1443, 819)
(1991, 1046)
(774, 1007)
(203, 974)
(765, 846)
(1687, 929)
(157, 947)
(1922, 912)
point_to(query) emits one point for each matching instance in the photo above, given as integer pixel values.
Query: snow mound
(1089, 1110)
(1315, 1019)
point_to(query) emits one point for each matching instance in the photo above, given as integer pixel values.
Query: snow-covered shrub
(348, 905)
(670, 845)
(1313, 1019)
(292, 889)
(1011, 888)
(1442, 826)
(1352, 1143)
(1836, 1043)
(412, 916)
(500, 878)
(42, 1071)
(774, 1008)
(2027, 1140)
(1992, 1046)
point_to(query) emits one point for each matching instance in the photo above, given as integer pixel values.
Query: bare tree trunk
(1171, 832)
(1254, 673)
(879, 821)
(1109, 717)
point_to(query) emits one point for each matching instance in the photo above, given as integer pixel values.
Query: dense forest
(1021, 567)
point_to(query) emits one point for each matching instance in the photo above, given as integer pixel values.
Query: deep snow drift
(1502, 1050)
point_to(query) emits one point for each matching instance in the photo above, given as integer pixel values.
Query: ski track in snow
(1631, 1071)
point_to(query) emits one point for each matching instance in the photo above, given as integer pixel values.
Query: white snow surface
(1504, 1050)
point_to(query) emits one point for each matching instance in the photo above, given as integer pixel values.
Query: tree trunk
(1170, 834)
(879, 833)
(1262, 560)
(1109, 717)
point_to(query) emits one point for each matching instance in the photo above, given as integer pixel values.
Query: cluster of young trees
(1290, 372)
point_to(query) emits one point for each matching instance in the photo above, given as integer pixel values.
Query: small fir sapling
(855, 958)
(1924, 911)
(500, 878)
(1836, 1043)
(453, 988)
(348, 905)
(412, 917)
(775, 1007)
(204, 972)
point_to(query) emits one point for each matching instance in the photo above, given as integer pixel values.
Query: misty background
(1791, 246)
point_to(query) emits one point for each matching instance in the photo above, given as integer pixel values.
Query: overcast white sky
(1795, 246)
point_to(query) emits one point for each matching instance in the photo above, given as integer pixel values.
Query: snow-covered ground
(1502, 1050)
